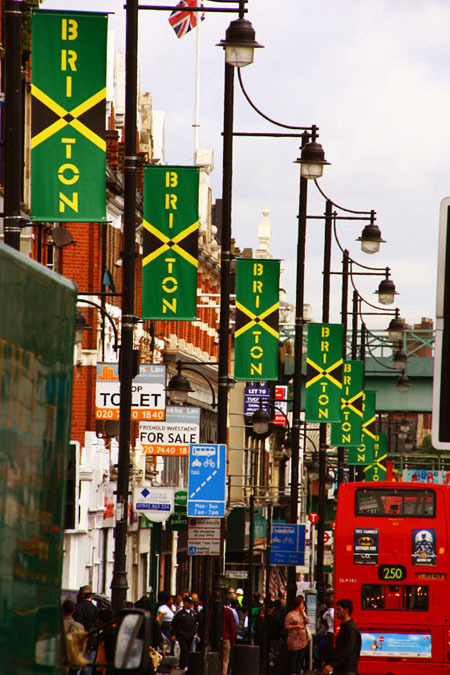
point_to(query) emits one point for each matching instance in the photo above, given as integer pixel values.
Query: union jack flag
(181, 20)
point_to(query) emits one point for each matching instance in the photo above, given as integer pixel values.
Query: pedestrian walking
(184, 628)
(229, 637)
(85, 611)
(297, 638)
(345, 655)
(165, 614)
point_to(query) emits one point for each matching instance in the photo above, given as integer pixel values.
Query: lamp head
(403, 384)
(371, 238)
(404, 423)
(178, 388)
(260, 421)
(396, 329)
(400, 359)
(386, 292)
(312, 160)
(239, 43)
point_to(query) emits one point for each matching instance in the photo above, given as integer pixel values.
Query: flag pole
(197, 86)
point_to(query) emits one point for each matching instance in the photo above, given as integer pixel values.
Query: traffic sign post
(207, 481)
(288, 544)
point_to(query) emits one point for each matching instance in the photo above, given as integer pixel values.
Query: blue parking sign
(207, 481)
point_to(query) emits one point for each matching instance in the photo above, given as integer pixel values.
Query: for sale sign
(172, 437)
(148, 392)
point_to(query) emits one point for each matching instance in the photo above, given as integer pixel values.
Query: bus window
(377, 596)
(372, 596)
(416, 597)
(395, 502)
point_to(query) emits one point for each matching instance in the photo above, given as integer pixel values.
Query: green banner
(256, 332)
(348, 432)
(377, 470)
(170, 255)
(324, 372)
(68, 116)
(365, 452)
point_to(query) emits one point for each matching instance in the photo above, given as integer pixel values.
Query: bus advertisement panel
(392, 559)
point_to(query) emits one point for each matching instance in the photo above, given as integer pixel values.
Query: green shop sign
(256, 333)
(170, 255)
(324, 372)
(365, 453)
(68, 116)
(348, 432)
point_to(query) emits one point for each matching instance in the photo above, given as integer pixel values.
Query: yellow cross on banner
(257, 319)
(170, 243)
(71, 114)
(349, 404)
(324, 372)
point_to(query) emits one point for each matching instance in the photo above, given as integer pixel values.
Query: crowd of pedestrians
(282, 633)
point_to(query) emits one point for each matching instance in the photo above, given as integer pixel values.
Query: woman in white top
(164, 614)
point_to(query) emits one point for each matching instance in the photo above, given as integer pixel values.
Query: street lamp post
(312, 161)
(12, 11)
(239, 44)
(119, 583)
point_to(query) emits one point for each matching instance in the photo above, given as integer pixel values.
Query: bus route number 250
(392, 572)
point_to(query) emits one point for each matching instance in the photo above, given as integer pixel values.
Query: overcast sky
(374, 75)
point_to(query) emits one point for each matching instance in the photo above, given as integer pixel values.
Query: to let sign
(148, 392)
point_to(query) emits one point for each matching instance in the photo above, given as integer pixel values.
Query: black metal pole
(322, 427)
(266, 639)
(225, 289)
(344, 318)
(297, 378)
(119, 583)
(251, 568)
(351, 470)
(12, 13)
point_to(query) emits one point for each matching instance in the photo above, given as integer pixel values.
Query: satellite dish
(62, 237)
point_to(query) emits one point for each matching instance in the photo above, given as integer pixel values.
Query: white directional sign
(207, 477)
(148, 392)
(173, 437)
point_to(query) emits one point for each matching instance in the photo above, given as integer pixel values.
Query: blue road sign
(288, 544)
(207, 478)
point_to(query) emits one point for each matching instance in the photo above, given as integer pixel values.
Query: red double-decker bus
(392, 559)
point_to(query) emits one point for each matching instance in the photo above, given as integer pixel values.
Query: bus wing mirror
(132, 653)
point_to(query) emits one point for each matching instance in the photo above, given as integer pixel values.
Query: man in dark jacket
(345, 655)
(85, 610)
(184, 628)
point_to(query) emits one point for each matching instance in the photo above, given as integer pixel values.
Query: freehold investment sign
(148, 392)
(173, 437)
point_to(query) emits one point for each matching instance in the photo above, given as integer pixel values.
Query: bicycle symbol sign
(207, 476)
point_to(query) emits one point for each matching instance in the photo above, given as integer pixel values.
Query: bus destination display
(392, 572)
